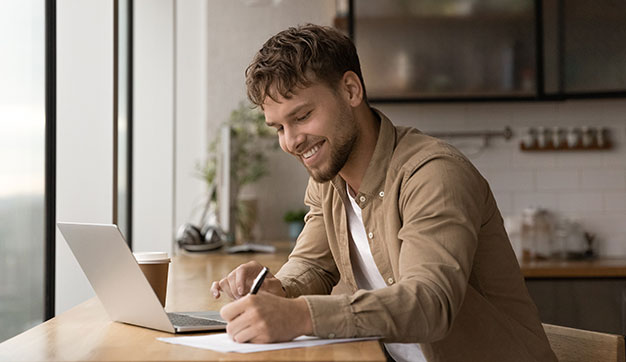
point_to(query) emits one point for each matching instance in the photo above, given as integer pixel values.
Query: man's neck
(361, 155)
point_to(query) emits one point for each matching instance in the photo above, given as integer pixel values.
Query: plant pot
(246, 220)
(295, 228)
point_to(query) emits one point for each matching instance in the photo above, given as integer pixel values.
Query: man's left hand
(266, 318)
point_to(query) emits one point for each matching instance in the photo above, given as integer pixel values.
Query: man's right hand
(238, 283)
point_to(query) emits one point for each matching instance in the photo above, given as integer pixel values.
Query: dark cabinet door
(490, 49)
(594, 46)
(446, 48)
(584, 47)
(596, 304)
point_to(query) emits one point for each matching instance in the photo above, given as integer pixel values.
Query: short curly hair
(298, 56)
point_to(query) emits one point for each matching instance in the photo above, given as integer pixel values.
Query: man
(405, 219)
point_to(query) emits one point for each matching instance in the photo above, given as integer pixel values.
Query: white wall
(84, 132)
(170, 118)
(191, 107)
(153, 125)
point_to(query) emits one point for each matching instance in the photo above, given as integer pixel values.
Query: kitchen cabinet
(580, 294)
(593, 304)
(584, 47)
(438, 50)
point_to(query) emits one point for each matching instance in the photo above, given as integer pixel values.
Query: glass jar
(528, 234)
(544, 235)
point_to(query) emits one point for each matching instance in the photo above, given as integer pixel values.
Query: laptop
(120, 284)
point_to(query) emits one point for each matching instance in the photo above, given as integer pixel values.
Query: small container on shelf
(583, 138)
(542, 140)
(558, 138)
(530, 139)
(586, 137)
(573, 137)
(602, 138)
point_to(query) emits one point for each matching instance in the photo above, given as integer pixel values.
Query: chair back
(579, 345)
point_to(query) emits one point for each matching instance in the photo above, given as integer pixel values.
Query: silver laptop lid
(114, 274)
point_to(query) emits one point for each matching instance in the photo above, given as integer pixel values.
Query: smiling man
(404, 219)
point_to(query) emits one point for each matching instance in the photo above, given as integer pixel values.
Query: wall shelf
(550, 148)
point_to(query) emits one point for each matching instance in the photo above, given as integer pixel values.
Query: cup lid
(152, 257)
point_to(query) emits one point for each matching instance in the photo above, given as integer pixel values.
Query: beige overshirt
(438, 240)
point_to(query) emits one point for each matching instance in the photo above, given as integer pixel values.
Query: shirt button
(371, 235)
(362, 198)
(331, 335)
(381, 194)
(390, 281)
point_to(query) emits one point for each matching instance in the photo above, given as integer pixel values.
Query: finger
(252, 269)
(232, 284)
(236, 325)
(225, 287)
(241, 276)
(249, 334)
(231, 310)
(215, 289)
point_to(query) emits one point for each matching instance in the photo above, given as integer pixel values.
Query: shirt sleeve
(310, 268)
(440, 204)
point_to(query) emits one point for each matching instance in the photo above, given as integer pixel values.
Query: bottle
(575, 243)
(528, 234)
(544, 236)
(561, 233)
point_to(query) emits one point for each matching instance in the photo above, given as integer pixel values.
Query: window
(22, 156)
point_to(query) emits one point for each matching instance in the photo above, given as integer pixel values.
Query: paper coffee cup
(155, 266)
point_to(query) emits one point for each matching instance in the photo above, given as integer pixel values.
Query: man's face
(316, 126)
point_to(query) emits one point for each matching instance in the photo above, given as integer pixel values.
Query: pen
(258, 281)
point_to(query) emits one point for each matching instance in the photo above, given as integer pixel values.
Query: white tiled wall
(590, 186)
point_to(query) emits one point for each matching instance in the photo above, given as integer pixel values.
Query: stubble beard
(340, 149)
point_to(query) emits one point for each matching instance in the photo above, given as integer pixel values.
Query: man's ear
(352, 87)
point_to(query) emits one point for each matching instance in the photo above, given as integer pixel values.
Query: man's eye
(304, 117)
(279, 129)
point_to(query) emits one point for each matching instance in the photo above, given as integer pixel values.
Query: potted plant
(251, 140)
(295, 222)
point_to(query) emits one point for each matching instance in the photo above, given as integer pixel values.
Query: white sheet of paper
(221, 342)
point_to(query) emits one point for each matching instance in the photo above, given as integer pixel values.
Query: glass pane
(595, 45)
(122, 118)
(551, 71)
(22, 137)
(446, 48)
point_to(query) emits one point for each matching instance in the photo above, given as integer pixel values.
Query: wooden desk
(85, 332)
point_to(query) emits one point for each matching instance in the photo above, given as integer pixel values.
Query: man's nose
(294, 141)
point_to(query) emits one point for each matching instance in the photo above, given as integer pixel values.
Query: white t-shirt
(369, 278)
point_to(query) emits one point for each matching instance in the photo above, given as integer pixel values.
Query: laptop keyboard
(183, 320)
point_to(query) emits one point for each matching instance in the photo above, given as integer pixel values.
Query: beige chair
(579, 345)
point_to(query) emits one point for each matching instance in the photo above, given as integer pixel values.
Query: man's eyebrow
(297, 109)
(291, 113)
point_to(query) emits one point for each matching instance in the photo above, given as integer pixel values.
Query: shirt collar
(374, 180)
